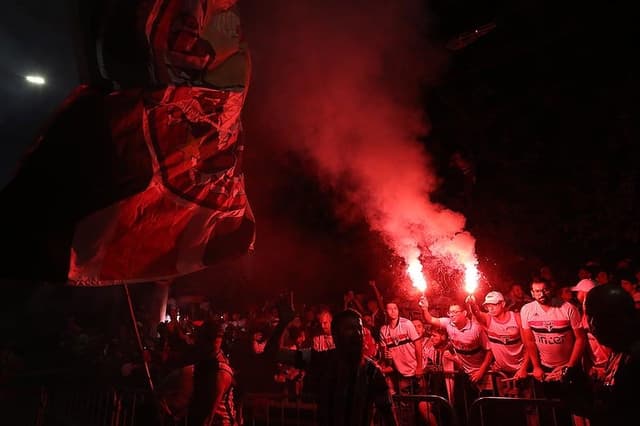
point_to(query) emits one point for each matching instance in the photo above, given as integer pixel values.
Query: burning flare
(471, 277)
(414, 270)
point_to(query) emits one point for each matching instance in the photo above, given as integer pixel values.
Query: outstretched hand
(470, 299)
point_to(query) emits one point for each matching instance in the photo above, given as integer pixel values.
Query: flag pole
(156, 400)
(140, 346)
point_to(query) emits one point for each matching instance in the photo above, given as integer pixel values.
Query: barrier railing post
(42, 406)
(116, 410)
(439, 401)
(134, 408)
(520, 406)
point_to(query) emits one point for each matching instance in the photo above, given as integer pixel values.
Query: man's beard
(544, 301)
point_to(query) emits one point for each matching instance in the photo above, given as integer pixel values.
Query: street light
(35, 79)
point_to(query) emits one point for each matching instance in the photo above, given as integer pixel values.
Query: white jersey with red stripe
(505, 343)
(399, 340)
(431, 357)
(552, 331)
(469, 343)
(323, 342)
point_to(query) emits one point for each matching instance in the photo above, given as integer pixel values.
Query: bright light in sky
(35, 79)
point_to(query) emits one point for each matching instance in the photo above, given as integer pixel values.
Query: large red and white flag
(143, 183)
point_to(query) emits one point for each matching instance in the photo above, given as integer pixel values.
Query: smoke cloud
(341, 82)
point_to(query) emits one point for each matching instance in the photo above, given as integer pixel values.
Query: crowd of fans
(529, 339)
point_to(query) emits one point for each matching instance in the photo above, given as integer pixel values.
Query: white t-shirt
(505, 343)
(470, 343)
(400, 342)
(552, 330)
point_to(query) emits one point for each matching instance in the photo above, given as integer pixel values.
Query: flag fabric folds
(142, 183)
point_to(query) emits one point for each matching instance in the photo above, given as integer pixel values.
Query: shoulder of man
(570, 308)
(527, 307)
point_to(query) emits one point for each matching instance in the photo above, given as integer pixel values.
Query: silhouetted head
(372, 304)
(517, 291)
(209, 337)
(346, 329)
(612, 316)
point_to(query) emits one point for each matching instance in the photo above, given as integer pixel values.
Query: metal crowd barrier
(515, 411)
(276, 409)
(109, 407)
(272, 409)
(454, 386)
(78, 405)
(75, 405)
(407, 412)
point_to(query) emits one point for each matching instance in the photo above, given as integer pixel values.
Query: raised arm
(430, 319)
(481, 317)
(376, 292)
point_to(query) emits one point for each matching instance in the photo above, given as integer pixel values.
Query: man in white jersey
(403, 345)
(324, 341)
(511, 362)
(470, 345)
(554, 338)
(553, 333)
(505, 341)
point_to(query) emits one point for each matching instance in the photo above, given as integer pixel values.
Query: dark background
(544, 108)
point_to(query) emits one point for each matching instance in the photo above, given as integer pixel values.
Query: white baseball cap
(493, 297)
(583, 285)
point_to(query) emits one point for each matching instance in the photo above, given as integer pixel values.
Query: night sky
(543, 108)
(35, 38)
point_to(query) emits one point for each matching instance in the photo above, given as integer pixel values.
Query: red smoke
(340, 81)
